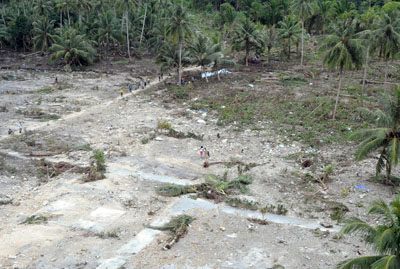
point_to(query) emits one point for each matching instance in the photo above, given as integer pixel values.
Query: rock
(158, 138)
(12, 257)
(5, 200)
(232, 235)
(201, 121)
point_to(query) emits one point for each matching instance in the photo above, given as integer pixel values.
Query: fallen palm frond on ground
(178, 226)
(215, 188)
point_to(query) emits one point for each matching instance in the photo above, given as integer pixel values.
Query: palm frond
(358, 263)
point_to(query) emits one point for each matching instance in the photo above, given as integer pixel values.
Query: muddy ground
(102, 224)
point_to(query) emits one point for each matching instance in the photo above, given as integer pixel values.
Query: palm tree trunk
(247, 57)
(69, 19)
(337, 95)
(180, 61)
(269, 54)
(388, 172)
(144, 20)
(205, 73)
(386, 69)
(302, 42)
(61, 17)
(127, 34)
(364, 77)
(289, 49)
(218, 75)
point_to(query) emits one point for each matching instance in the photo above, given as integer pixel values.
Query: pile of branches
(214, 188)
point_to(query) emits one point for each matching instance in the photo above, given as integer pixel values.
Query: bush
(98, 157)
(163, 124)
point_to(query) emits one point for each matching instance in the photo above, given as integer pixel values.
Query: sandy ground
(83, 217)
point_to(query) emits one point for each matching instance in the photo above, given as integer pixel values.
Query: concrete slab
(139, 242)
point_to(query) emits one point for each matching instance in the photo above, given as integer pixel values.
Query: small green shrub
(98, 157)
(145, 140)
(163, 124)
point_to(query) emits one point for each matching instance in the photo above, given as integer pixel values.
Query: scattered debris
(178, 226)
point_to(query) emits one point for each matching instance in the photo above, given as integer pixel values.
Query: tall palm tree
(385, 137)
(322, 10)
(219, 61)
(383, 238)
(170, 57)
(367, 35)
(126, 6)
(108, 31)
(203, 53)
(42, 7)
(72, 48)
(144, 21)
(270, 39)
(387, 34)
(303, 9)
(179, 27)
(246, 37)
(289, 31)
(342, 50)
(43, 34)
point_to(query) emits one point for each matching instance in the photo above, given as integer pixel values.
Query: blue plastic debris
(361, 187)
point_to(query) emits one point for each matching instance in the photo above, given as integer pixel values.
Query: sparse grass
(85, 147)
(48, 117)
(242, 203)
(180, 92)
(278, 209)
(145, 140)
(35, 220)
(338, 214)
(45, 90)
(293, 80)
(10, 169)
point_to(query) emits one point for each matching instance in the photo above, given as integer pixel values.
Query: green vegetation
(35, 220)
(215, 187)
(385, 137)
(382, 237)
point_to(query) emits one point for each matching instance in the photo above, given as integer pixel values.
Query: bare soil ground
(102, 224)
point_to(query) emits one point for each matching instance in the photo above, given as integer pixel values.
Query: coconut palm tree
(387, 34)
(42, 7)
(203, 53)
(303, 9)
(4, 36)
(179, 27)
(171, 57)
(289, 31)
(107, 30)
(246, 37)
(219, 61)
(144, 21)
(43, 34)
(126, 6)
(368, 37)
(270, 39)
(72, 48)
(383, 238)
(321, 12)
(342, 50)
(385, 137)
